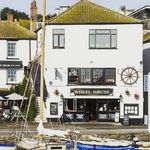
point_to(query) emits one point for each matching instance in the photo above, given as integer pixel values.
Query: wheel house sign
(90, 92)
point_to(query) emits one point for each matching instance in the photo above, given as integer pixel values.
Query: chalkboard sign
(54, 108)
(126, 120)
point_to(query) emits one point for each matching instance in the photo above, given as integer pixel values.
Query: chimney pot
(10, 17)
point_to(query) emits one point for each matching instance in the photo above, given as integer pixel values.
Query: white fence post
(149, 102)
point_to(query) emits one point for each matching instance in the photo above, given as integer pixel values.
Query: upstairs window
(102, 39)
(58, 38)
(11, 49)
(11, 75)
(91, 76)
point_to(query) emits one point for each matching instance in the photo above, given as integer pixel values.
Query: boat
(102, 147)
(7, 147)
(102, 144)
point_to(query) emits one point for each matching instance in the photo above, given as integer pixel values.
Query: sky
(24, 5)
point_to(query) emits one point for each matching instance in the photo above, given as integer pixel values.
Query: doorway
(91, 109)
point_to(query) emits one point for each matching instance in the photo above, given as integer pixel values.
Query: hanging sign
(145, 83)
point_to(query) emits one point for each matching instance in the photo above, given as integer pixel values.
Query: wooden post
(42, 62)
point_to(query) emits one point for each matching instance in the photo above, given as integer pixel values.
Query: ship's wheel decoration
(129, 75)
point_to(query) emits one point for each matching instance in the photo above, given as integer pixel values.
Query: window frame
(15, 75)
(9, 51)
(56, 109)
(110, 34)
(91, 78)
(58, 35)
(131, 105)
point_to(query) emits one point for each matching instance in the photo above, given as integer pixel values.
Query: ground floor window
(11, 75)
(53, 108)
(92, 109)
(131, 109)
(70, 105)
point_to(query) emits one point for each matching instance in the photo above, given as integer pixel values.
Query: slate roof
(12, 30)
(86, 12)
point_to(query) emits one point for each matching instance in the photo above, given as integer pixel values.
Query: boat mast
(42, 62)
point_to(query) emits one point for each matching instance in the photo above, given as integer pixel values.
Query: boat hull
(7, 147)
(96, 147)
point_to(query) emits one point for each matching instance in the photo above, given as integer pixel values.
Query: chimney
(33, 16)
(10, 17)
(61, 9)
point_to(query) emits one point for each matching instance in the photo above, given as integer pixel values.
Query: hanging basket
(120, 96)
(127, 92)
(56, 92)
(136, 96)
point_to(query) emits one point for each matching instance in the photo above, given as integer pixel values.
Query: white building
(18, 47)
(93, 65)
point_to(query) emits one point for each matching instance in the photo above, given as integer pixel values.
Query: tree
(17, 14)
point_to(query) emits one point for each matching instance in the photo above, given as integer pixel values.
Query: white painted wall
(78, 54)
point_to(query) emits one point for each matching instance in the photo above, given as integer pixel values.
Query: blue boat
(7, 146)
(81, 146)
(97, 147)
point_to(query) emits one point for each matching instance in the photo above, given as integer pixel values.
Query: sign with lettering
(91, 92)
(145, 83)
(10, 64)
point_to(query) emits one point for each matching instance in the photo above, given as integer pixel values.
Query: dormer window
(11, 49)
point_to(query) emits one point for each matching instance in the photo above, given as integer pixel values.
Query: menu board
(53, 108)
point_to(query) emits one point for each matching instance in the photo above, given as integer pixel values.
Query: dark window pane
(110, 76)
(73, 78)
(98, 77)
(85, 77)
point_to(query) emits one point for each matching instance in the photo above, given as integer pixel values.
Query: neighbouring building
(146, 70)
(142, 14)
(93, 65)
(18, 47)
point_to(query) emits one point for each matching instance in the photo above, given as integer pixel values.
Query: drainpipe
(149, 102)
(29, 50)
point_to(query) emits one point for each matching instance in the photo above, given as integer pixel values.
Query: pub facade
(93, 65)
